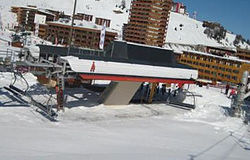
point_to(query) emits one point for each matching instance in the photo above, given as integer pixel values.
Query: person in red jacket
(232, 93)
(92, 69)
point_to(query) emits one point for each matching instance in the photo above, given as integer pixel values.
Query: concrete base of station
(119, 93)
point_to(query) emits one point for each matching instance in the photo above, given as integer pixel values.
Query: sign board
(40, 19)
(102, 36)
(37, 29)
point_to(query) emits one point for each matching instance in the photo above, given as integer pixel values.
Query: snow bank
(212, 108)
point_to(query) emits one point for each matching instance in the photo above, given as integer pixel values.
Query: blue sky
(234, 15)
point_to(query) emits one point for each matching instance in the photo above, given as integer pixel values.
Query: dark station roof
(119, 51)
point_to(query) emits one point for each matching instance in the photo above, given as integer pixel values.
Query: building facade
(179, 8)
(148, 22)
(26, 16)
(83, 16)
(88, 37)
(243, 54)
(102, 21)
(215, 68)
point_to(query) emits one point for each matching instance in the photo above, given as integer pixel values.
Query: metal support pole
(236, 106)
(71, 28)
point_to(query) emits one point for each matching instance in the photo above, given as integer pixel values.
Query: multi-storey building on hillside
(26, 16)
(218, 51)
(179, 8)
(215, 68)
(83, 16)
(56, 28)
(243, 54)
(102, 21)
(148, 22)
(85, 34)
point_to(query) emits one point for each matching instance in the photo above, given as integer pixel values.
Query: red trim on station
(135, 79)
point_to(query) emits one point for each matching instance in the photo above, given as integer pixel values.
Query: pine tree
(248, 41)
(123, 4)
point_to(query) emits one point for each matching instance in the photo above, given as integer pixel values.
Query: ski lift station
(136, 72)
(127, 64)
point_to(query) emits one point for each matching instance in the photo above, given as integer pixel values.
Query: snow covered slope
(90, 131)
(185, 30)
(98, 8)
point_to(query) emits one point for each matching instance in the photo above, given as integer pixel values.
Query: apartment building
(243, 54)
(215, 68)
(148, 22)
(85, 34)
(26, 16)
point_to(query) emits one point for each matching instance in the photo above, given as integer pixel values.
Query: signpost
(39, 19)
(102, 37)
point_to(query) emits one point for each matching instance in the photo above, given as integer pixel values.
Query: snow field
(87, 131)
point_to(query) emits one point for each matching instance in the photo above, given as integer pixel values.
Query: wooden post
(152, 92)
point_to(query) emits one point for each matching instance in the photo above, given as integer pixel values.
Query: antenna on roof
(71, 28)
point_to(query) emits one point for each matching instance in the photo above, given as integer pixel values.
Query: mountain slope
(185, 30)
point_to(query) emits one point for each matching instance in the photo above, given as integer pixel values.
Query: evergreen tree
(248, 41)
(123, 4)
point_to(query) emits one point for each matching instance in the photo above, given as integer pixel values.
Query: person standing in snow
(59, 97)
(232, 93)
(227, 89)
(163, 89)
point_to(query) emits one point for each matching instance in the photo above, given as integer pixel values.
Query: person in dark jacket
(227, 89)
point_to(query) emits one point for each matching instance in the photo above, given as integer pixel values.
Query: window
(202, 64)
(235, 71)
(235, 78)
(206, 71)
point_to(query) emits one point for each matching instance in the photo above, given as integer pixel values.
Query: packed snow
(88, 130)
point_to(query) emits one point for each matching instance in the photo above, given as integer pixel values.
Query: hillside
(185, 30)
(181, 30)
(98, 8)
